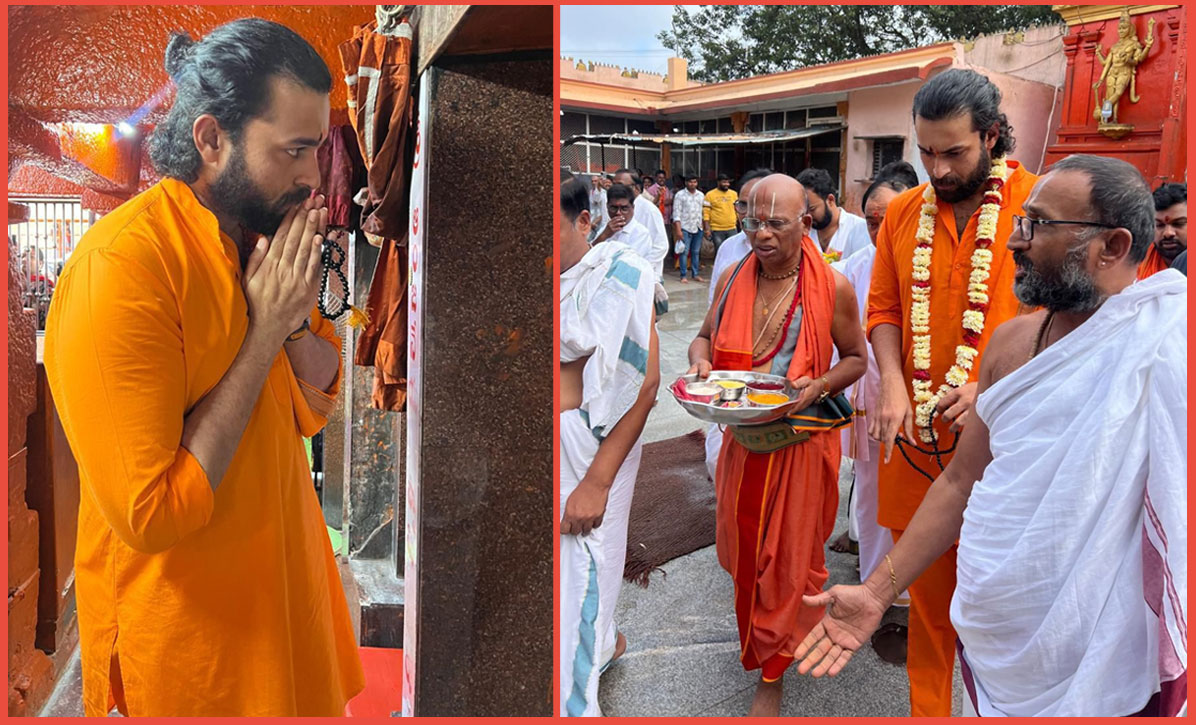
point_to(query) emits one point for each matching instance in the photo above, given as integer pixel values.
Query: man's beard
(1068, 289)
(965, 188)
(235, 195)
(1168, 254)
(825, 221)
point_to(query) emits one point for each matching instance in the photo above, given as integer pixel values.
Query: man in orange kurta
(186, 378)
(957, 144)
(776, 509)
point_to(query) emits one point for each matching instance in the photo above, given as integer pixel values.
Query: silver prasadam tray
(735, 397)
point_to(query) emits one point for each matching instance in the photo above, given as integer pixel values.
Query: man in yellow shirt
(719, 220)
(188, 363)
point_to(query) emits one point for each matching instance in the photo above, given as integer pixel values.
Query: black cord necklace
(333, 259)
(935, 451)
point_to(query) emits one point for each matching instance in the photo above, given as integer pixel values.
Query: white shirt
(598, 217)
(729, 253)
(636, 236)
(687, 209)
(648, 215)
(858, 271)
(850, 237)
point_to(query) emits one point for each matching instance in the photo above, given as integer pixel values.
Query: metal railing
(43, 244)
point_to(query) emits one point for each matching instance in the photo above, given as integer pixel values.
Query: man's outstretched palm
(853, 616)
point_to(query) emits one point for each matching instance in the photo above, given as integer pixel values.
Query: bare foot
(620, 648)
(844, 544)
(767, 702)
(699, 279)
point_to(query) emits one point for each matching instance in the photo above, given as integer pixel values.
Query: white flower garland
(926, 400)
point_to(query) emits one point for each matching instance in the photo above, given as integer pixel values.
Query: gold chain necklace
(784, 293)
(768, 320)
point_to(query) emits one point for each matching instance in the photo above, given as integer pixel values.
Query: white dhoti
(874, 540)
(606, 306)
(1072, 567)
(714, 444)
(591, 570)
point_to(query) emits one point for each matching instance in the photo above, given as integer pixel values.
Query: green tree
(726, 42)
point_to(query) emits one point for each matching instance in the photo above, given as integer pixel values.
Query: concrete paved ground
(683, 648)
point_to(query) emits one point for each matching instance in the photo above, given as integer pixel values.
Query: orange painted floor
(383, 693)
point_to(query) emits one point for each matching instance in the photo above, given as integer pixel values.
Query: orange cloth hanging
(378, 71)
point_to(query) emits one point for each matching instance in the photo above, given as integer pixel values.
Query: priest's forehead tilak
(777, 193)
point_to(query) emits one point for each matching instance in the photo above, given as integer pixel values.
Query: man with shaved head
(780, 310)
(1068, 494)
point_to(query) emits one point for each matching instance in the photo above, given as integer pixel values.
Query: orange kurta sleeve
(901, 488)
(884, 292)
(312, 405)
(118, 376)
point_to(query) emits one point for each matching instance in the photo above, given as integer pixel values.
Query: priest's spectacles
(752, 224)
(1025, 225)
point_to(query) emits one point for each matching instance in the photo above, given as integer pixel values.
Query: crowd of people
(1013, 349)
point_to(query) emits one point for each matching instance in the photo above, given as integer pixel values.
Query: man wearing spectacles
(1068, 494)
(622, 225)
(781, 310)
(649, 217)
(731, 252)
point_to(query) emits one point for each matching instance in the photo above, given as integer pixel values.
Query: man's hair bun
(178, 51)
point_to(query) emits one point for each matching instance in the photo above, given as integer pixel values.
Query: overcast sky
(622, 35)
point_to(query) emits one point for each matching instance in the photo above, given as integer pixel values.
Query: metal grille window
(645, 158)
(638, 124)
(607, 124)
(572, 124)
(43, 244)
(886, 151)
(795, 118)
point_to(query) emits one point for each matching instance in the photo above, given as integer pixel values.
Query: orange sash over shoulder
(776, 510)
(733, 339)
(1153, 263)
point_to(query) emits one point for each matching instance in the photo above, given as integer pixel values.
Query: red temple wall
(1157, 145)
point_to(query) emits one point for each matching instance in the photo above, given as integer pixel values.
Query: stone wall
(30, 672)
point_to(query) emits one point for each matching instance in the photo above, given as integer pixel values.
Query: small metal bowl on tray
(743, 411)
(703, 392)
